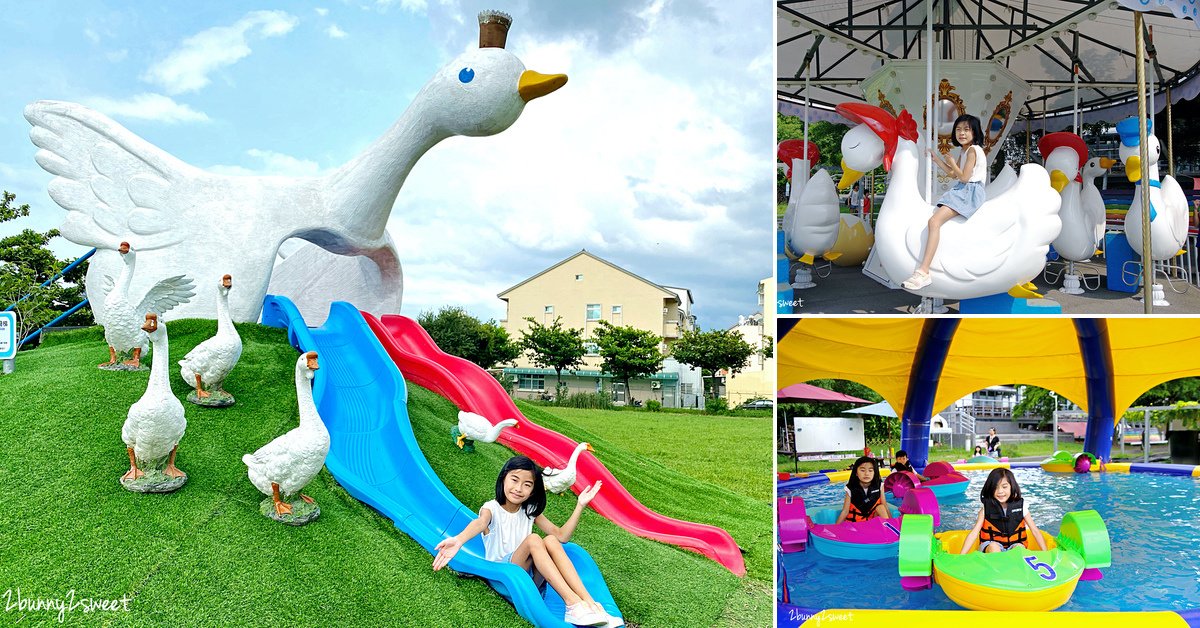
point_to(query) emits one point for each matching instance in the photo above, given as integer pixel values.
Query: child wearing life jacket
(902, 464)
(1004, 522)
(864, 493)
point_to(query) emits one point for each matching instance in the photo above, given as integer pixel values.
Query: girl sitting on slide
(507, 525)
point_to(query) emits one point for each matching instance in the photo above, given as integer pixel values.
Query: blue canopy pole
(51, 323)
(1096, 352)
(60, 274)
(929, 358)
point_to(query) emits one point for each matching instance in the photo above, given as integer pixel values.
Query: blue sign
(8, 335)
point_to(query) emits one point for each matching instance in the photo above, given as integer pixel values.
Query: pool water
(1153, 522)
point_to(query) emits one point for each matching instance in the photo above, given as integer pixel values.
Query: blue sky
(657, 155)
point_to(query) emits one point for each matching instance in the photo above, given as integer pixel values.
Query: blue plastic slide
(373, 454)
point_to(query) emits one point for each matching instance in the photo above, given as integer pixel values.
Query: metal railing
(75, 308)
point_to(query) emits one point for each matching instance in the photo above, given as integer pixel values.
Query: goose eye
(466, 74)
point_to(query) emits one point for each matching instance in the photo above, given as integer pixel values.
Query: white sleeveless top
(505, 532)
(979, 172)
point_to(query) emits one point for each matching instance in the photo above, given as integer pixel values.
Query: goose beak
(1058, 181)
(1107, 163)
(533, 85)
(312, 361)
(1133, 168)
(124, 248)
(849, 176)
(590, 448)
(151, 323)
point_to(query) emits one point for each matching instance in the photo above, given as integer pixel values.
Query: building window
(616, 315)
(685, 389)
(618, 389)
(547, 314)
(592, 348)
(578, 277)
(526, 381)
(593, 311)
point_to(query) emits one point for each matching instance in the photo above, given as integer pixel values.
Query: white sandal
(918, 280)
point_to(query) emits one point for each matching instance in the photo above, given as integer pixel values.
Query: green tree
(627, 352)
(826, 135)
(1037, 402)
(555, 347)
(713, 350)
(1171, 393)
(25, 263)
(458, 333)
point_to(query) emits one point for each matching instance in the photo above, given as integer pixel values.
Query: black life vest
(862, 502)
(1007, 529)
(903, 466)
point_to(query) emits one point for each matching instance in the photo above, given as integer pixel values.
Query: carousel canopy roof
(882, 354)
(845, 41)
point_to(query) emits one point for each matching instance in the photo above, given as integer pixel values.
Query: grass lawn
(203, 556)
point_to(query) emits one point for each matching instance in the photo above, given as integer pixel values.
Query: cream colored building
(584, 290)
(757, 380)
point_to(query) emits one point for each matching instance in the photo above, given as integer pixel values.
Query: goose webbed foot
(281, 508)
(133, 473)
(112, 357)
(171, 469)
(135, 361)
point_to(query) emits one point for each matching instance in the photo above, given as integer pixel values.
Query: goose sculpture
(473, 427)
(1065, 154)
(123, 329)
(1093, 203)
(116, 186)
(1168, 204)
(1001, 248)
(211, 361)
(560, 481)
(283, 467)
(811, 220)
(154, 425)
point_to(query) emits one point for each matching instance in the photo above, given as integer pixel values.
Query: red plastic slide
(474, 390)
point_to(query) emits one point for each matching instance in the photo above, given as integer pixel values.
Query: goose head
(152, 328)
(483, 92)
(307, 364)
(1065, 153)
(1130, 151)
(127, 254)
(225, 285)
(1097, 166)
(873, 141)
(862, 152)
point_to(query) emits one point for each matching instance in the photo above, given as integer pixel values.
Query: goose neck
(304, 397)
(224, 322)
(159, 379)
(361, 192)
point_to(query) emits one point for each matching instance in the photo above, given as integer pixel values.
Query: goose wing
(114, 185)
(165, 295)
(1177, 208)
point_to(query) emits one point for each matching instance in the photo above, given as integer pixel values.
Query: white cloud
(118, 55)
(187, 68)
(321, 12)
(146, 106)
(91, 34)
(273, 163)
(334, 32)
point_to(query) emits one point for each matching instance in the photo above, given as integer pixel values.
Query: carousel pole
(1170, 137)
(1140, 74)
(929, 92)
(807, 166)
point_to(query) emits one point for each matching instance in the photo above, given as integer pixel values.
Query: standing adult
(993, 443)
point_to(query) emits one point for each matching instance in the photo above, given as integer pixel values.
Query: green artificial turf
(204, 556)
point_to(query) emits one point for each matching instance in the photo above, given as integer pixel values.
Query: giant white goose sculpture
(1001, 248)
(116, 186)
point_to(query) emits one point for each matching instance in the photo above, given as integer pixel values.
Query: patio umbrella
(882, 408)
(797, 393)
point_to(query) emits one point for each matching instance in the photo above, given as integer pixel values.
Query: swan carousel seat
(283, 467)
(154, 426)
(117, 186)
(123, 329)
(1093, 202)
(209, 363)
(1024, 578)
(1001, 248)
(472, 427)
(561, 480)
(1168, 204)
(812, 218)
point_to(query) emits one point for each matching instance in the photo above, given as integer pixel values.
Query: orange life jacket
(1007, 529)
(863, 502)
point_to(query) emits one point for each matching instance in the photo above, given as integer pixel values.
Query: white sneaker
(918, 280)
(614, 622)
(581, 615)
